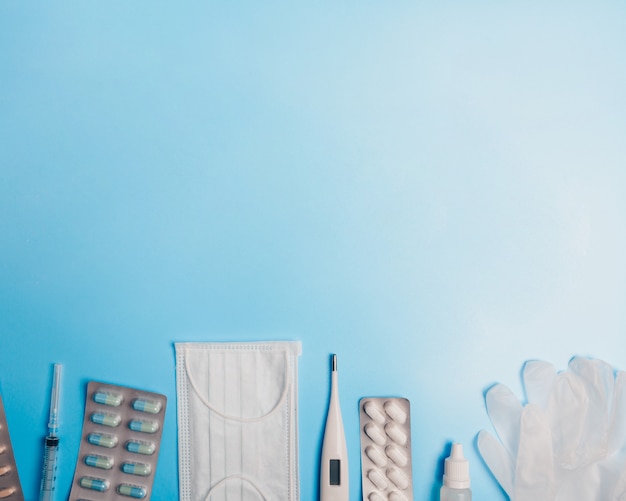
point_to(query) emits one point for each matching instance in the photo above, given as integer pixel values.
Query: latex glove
(521, 460)
(567, 442)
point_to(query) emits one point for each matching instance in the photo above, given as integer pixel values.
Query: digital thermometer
(334, 481)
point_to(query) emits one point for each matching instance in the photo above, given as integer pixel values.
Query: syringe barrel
(49, 473)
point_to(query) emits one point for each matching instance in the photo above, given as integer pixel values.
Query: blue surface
(434, 191)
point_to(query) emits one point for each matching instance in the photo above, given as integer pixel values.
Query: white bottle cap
(456, 469)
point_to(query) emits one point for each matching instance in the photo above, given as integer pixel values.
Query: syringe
(51, 443)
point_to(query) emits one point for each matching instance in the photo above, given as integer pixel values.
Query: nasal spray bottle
(456, 477)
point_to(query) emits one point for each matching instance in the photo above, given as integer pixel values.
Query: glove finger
(534, 472)
(498, 460)
(617, 428)
(539, 378)
(598, 381)
(598, 378)
(566, 411)
(505, 410)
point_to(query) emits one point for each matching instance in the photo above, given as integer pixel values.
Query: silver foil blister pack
(386, 469)
(120, 444)
(10, 487)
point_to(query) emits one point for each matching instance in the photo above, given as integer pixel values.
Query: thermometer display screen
(334, 472)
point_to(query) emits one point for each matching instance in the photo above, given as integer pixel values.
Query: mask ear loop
(232, 477)
(238, 418)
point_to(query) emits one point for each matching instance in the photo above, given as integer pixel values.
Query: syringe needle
(53, 421)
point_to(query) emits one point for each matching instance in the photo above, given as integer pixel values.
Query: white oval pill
(394, 432)
(397, 455)
(376, 456)
(378, 479)
(395, 412)
(6, 492)
(398, 478)
(372, 410)
(374, 496)
(396, 496)
(372, 431)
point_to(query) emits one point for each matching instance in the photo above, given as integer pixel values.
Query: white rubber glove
(521, 460)
(568, 442)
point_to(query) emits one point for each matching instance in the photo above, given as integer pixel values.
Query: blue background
(435, 191)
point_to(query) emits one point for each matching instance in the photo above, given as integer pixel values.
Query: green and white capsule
(140, 447)
(102, 440)
(95, 484)
(144, 425)
(146, 405)
(106, 419)
(132, 491)
(98, 461)
(108, 398)
(133, 468)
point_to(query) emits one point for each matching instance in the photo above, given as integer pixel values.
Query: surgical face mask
(238, 421)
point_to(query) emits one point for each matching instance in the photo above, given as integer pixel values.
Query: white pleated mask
(238, 421)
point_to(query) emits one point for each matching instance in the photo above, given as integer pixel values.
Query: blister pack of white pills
(10, 487)
(386, 473)
(120, 443)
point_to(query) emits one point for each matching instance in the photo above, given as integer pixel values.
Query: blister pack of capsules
(386, 473)
(120, 444)
(10, 487)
